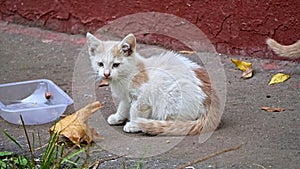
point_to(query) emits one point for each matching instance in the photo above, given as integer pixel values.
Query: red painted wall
(234, 26)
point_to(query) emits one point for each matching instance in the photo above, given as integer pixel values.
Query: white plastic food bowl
(29, 99)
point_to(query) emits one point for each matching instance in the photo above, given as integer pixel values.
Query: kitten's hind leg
(121, 115)
(137, 110)
(131, 127)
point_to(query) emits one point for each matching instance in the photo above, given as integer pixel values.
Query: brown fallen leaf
(103, 83)
(75, 126)
(272, 109)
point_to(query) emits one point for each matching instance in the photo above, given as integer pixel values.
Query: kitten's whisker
(91, 78)
(124, 81)
(90, 72)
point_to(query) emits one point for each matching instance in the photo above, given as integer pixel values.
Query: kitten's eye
(100, 64)
(116, 64)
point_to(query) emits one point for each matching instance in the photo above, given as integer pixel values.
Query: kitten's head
(109, 59)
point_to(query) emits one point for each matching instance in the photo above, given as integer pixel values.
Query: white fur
(172, 91)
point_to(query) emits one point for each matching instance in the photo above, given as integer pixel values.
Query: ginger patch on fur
(202, 75)
(116, 51)
(141, 77)
(212, 118)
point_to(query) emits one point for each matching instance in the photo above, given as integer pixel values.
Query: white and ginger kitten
(290, 51)
(161, 95)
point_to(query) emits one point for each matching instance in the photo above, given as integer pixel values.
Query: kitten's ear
(128, 44)
(94, 44)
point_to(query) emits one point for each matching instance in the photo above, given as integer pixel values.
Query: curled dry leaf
(75, 126)
(246, 67)
(272, 109)
(248, 73)
(279, 78)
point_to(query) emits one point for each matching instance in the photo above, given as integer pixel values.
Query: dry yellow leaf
(279, 78)
(75, 127)
(243, 66)
(246, 67)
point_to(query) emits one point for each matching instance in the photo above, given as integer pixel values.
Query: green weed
(54, 156)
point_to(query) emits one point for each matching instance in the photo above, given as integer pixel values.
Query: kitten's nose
(106, 75)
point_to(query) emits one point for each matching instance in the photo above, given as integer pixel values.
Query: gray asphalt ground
(269, 140)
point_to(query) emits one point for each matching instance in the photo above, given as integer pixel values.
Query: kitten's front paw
(131, 128)
(115, 119)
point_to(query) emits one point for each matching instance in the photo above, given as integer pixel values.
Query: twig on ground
(260, 166)
(208, 156)
(98, 162)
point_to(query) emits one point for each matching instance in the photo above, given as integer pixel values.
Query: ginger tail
(290, 51)
(207, 123)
